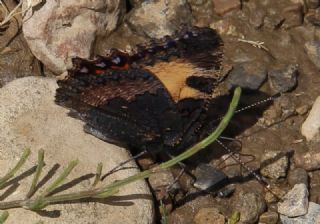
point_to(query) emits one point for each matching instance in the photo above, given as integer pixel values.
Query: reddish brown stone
(221, 7)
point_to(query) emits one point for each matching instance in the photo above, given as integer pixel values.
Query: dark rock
(250, 205)
(222, 7)
(295, 202)
(247, 75)
(313, 17)
(313, 50)
(283, 80)
(312, 4)
(311, 217)
(209, 215)
(293, 16)
(274, 164)
(298, 176)
(269, 218)
(207, 177)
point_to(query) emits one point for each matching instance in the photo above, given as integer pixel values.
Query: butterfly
(161, 96)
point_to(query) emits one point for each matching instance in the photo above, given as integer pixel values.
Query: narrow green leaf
(61, 178)
(37, 174)
(13, 171)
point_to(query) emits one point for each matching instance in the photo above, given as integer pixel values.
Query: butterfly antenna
(271, 98)
(248, 169)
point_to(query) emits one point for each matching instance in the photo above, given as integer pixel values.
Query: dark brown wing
(151, 98)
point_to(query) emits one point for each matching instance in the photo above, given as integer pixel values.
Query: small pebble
(160, 182)
(313, 50)
(308, 160)
(298, 176)
(283, 80)
(295, 202)
(302, 110)
(269, 218)
(274, 164)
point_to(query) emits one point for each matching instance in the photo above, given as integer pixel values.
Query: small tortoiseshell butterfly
(159, 97)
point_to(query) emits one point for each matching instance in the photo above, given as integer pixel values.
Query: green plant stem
(37, 174)
(4, 216)
(103, 192)
(13, 171)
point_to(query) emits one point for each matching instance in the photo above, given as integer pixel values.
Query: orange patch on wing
(173, 75)
(124, 67)
(99, 72)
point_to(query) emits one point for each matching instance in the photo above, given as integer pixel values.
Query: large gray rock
(29, 118)
(59, 30)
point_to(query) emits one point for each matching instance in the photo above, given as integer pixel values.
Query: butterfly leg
(120, 166)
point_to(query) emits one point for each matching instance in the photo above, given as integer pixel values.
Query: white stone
(295, 202)
(311, 126)
(29, 118)
(312, 217)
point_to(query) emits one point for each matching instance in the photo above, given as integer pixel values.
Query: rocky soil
(271, 47)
